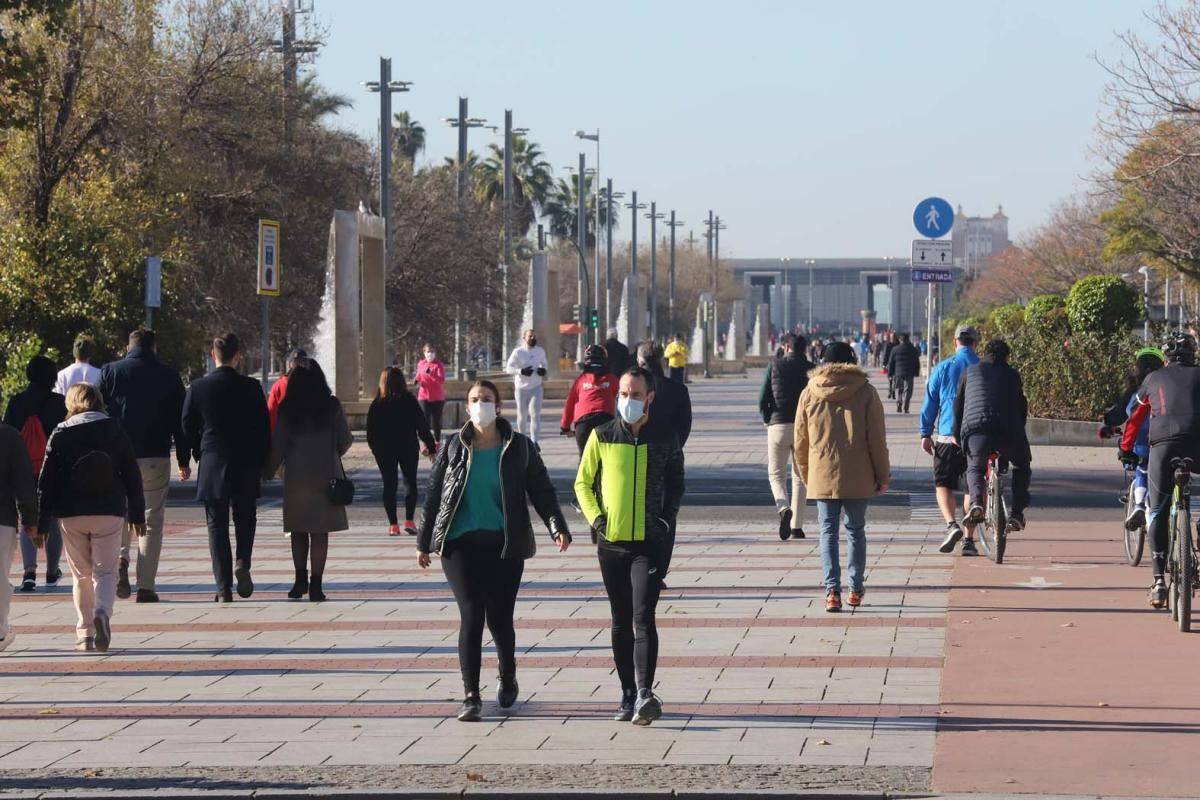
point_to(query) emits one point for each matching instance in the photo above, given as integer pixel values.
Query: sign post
(268, 283)
(153, 288)
(932, 259)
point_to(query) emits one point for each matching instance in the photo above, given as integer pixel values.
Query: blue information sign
(932, 276)
(933, 217)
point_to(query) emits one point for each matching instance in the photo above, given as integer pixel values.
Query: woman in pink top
(431, 378)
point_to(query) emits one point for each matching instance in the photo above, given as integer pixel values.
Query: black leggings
(485, 587)
(407, 464)
(633, 580)
(586, 424)
(1160, 488)
(300, 553)
(433, 416)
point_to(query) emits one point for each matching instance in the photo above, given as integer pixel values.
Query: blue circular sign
(933, 217)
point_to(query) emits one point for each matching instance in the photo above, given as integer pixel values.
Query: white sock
(1139, 496)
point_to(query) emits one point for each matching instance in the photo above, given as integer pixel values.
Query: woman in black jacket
(477, 519)
(89, 482)
(395, 422)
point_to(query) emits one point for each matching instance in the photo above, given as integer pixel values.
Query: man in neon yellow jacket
(629, 487)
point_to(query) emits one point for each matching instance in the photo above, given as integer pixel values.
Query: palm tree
(562, 210)
(408, 137)
(532, 182)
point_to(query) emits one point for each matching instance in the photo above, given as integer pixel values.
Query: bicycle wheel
(986, 529)
(1185, 566)
(1173, 565)
(1135, 540)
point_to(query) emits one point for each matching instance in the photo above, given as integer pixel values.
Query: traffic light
(576, 315)
(594, 319)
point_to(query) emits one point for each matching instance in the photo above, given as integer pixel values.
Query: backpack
(34, 436)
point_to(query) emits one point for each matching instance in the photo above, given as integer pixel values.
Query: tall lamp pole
(609, 196)
(509, 132)
(464, 123)
(673, 224)
(595, 137)
(654, 216)
(580, 243)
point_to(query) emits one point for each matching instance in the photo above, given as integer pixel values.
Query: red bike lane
(1060, 679)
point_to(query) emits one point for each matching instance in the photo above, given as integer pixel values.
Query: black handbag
(341, 490)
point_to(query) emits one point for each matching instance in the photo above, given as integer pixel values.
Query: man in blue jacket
(937, 436)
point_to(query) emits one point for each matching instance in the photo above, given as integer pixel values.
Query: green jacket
(640, 482)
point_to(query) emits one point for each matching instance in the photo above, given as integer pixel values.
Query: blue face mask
(630, 410)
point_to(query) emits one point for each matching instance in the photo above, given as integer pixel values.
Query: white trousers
(529, 411)
(780, 441)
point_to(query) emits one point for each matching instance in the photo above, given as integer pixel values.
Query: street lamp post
(595, 137)
(673, 224)
(463, 122)
(1145, 272)
(810, 262)
(654, 217)
(609, 196)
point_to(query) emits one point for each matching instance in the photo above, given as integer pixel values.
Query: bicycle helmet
(595, 358)
(1179, 346)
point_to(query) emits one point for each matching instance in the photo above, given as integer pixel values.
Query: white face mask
(630, 410)
(430, 356)
(482, 413)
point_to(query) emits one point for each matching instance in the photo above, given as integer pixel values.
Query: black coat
(990, 400)
(904, 361)
(671, 410)
(522, 475)
(147, 396)
(395, 423)
(225, 419)
(786, 378)
(618, 357)
(1173, 394)
(18, 484)
(90, 468)
(50, 408)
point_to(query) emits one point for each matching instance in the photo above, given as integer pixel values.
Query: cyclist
(1148, 359)
(989, 412)
(1170, 397)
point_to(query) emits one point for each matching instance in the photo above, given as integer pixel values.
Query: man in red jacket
(593, 398)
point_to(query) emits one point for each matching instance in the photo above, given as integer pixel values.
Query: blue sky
(812, 128)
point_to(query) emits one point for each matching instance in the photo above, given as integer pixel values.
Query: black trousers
(391, 466)
(891, 388)
(1160, 487)
(245, 517)
(433, 416)
(632, 574)
(485, 587)
(978, 446)
(585, 425)
(904, 392)
(678, 374)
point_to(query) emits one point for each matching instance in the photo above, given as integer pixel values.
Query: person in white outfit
(82, 370)
(528, 366)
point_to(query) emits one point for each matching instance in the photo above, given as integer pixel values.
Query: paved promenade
(1048, 674)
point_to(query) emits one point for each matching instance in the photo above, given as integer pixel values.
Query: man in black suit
(225, 419)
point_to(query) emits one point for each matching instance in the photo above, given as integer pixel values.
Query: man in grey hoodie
(18, 498)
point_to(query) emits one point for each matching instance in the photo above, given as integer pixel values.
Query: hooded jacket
(90, 469)
(523, 480)
(841, 442)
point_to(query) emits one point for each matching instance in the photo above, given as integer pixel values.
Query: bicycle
(993, 531)
(1135, 540)
(1181, 555)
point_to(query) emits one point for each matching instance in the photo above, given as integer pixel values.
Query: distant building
(832, 293)
(976, 239)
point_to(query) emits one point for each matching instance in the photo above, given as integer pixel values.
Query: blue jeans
(854, 512)
(54, 548)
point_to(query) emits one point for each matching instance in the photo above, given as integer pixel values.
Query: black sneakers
(52, 578)
(954, 532)
(625, 710)
(123, 587)
(471, 710)
(103, 632)
(28, 582)
(797, 533)
(1016, 523)
(506, 692)
(245, 586)
(647, 709)
(1136, 519)
(968, 548)
(785, 524)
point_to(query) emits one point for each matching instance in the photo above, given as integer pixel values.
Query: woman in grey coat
(309, 441)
